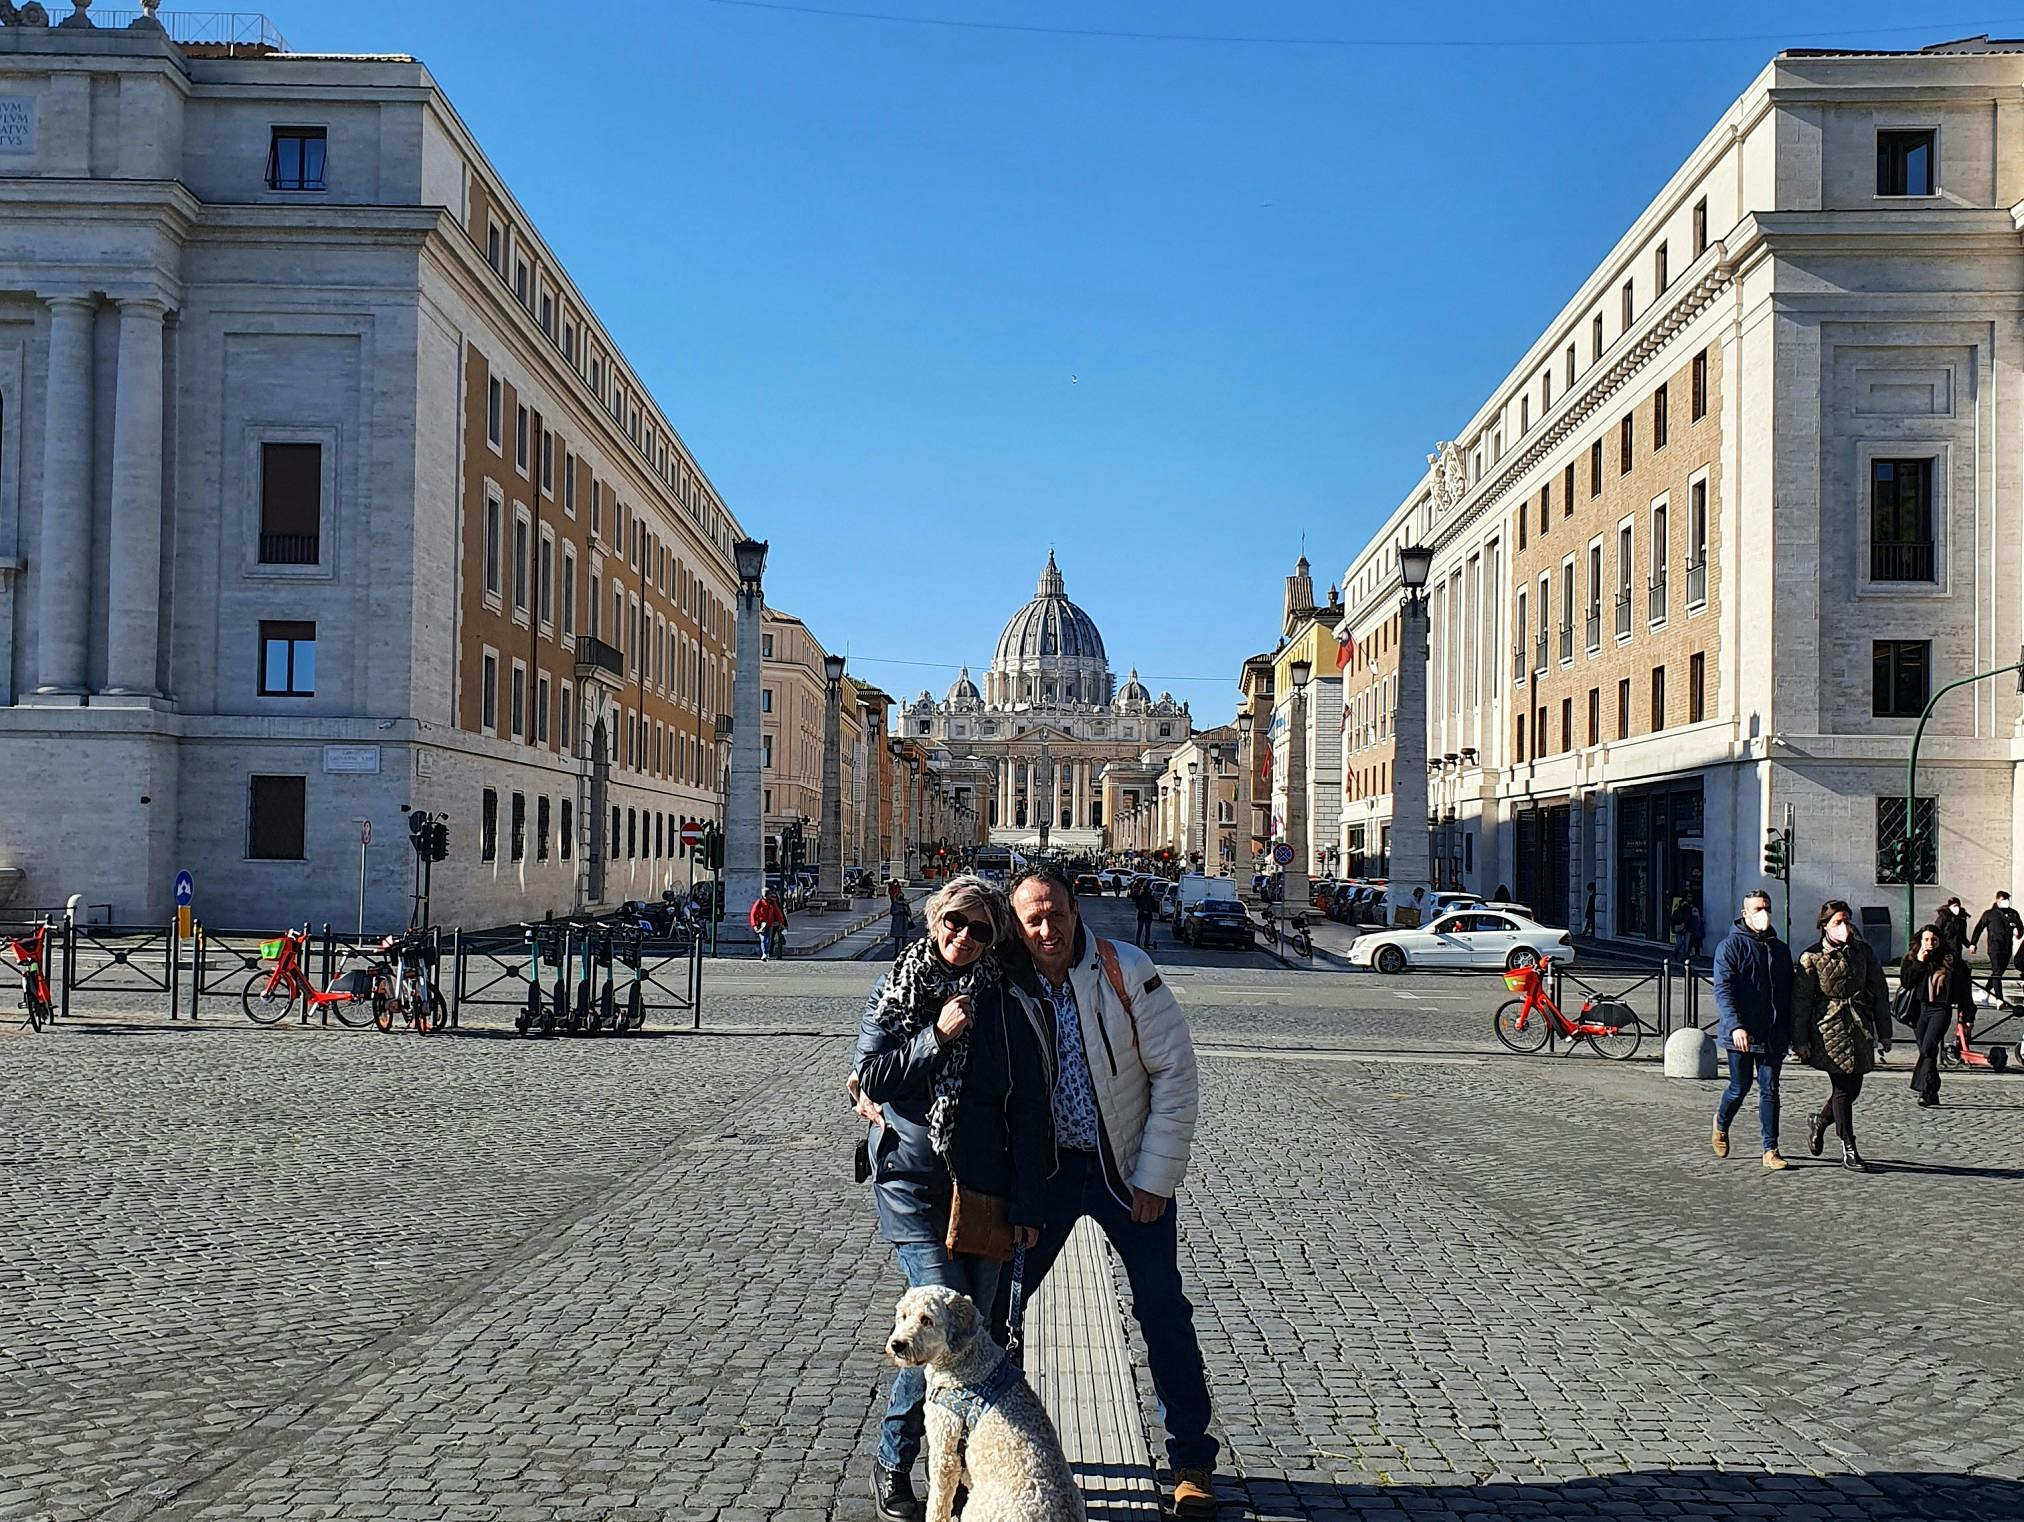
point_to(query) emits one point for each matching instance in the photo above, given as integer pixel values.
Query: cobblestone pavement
(295, 1275)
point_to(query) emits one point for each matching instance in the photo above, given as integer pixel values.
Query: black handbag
(1905, 1007)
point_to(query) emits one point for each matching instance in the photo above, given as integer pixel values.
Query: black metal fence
(619, 975)
(1658, 1002)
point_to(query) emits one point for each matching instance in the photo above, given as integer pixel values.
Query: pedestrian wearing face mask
(1753, 991)
(1940, 989)
(2003, 929)
(1952, 924)
(1839, 1003)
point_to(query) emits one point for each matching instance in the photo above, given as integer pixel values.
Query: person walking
(1839, 1004)
(1146, 907)
(1753, 992)
(768, 920)
(1938, 988)
(901, 917)
(1125, 1104)
(952, 1073)
(2002, 928)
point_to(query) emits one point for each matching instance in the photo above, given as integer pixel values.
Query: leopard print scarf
(919, 984)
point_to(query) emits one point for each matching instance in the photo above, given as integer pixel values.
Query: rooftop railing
(232, 31)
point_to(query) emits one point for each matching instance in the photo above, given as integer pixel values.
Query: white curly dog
(986, 1427)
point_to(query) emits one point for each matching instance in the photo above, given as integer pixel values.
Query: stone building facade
(324, 495)
(1050, 735)
(1749, 500)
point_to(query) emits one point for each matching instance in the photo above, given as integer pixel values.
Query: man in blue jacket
(1753, 991)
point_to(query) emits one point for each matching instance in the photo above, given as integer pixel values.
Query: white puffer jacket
(1142, 1064)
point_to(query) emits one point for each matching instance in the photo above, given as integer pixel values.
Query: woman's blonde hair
(970, 891)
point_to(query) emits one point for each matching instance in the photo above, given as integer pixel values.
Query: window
(518, 709)
(488, 826)
(632, 832)
(541, 828)
(488, 693)
(1567, 723)
(276, 809)
(1567, 492)
(493, 247)
(541, 699)
(1904, 163)
(1626, 432)
(547, 463)
(495, 413)
(1658, 698)
(1595, 469)
(1539, 736)
(1624, 552)
(295, 158)
(1595, 716)
(1697, 687)
(1901, 677)
(766, 700)
(520, 281)
(1890, 825)
(1594, 630)
(1524, 414)
(567, 714)
(1659, 563)
(520, 438)
(291, 504)
(566, 836)
(1661, 420)
(1545, 507)
(1524, 526)
(520, 563)
(1570, 367)
(287, 660)
(1623, 709)
(1545, 392)
(1629, 305)
(568, 353)
(544, 582)
(519, 835)
(568, 590)
(1595, 338)
(493, 509)
(1700, 227)
(547, 314)
(1901, 520)
(766, 753)
(1518, 740)
(1661, 274)
(1697, 544)
(596, 509)
(766, 646)
(1700, 386)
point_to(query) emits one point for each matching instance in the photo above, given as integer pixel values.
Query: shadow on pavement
(1947, 1170)
(1688, 1495)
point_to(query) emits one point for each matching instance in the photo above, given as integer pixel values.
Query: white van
(1195, 887)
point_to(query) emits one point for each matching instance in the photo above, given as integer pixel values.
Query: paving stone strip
(1081, 1369)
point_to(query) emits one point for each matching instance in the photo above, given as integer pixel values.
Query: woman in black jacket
(1939, 986)
(952, 1061)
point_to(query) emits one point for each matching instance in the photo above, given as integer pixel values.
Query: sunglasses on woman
(956, 924)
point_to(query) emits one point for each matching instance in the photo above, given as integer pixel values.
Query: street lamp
(897, 864)
(917, 797)
(829, 844)
(1212, 834)
(1293, 897)
(1188, 823)
(1411, 839)
(744, 827)
(1246, 760)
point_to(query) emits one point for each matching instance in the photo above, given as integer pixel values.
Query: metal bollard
(196, 968)
(69, 959)
(172, 954)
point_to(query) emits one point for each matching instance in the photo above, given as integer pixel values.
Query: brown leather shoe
(1194, 1494)
(1774, 1159)
(1720, 1142)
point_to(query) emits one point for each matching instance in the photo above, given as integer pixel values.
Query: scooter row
(572, 1001)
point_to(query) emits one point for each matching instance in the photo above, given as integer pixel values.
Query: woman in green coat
(1840, 1005)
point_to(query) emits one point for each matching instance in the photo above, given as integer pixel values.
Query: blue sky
(926, 300)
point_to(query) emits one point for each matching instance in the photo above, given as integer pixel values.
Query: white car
(1484, 938)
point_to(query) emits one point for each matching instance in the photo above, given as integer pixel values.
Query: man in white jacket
(1125, 1101)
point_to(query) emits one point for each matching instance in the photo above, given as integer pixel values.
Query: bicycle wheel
(264, 1005)
(359, 1013)
(1530, 1036)
(439, 1012)
(38, 1008)
(1621, 1043)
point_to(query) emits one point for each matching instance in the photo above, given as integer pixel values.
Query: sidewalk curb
(811, 948)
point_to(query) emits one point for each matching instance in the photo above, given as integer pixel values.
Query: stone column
(1409, 855)
(1078, 791)
(829, 864)
(744, 826)
(133, 616)
(1005, 799)
(1294, 899)
(63, 575)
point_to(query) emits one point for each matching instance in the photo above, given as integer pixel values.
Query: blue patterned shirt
(1075, 1117)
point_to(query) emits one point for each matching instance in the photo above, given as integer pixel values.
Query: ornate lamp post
(1212, 825)
(1409, 834)
(1294, 899)
(1245, 761)
(1188, 825)
(744, 831)
(829, 844)
(896, 865)
(917, 796)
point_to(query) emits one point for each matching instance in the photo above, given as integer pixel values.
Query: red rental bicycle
(272, 994)
(1527, 1024)
(32, 957)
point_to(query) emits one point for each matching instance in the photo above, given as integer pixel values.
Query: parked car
(1170, 900)
(1216, 921)
(1479, 938)
(1088, 885)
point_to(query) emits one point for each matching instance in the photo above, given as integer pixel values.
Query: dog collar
(970, 1402)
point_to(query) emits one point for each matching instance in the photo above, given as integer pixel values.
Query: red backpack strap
(1115, 973)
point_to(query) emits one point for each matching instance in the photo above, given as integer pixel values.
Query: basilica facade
(1051, 752)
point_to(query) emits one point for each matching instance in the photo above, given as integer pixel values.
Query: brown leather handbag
(978, 1224)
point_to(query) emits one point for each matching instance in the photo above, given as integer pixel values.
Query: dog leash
(1015, 1321)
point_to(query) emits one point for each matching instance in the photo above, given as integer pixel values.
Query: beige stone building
(1748, 501)
(793, 700)
(1198, 802)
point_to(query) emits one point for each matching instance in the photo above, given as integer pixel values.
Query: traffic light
(1777, 856)
(713, 847)
(418, 832)
(439, 840)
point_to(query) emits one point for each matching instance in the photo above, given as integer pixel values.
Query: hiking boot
(1773, 1159)
(1816, 1134)
(1720, 1141)
(1195, 1494)
(892, 1492)
(1852, 1159)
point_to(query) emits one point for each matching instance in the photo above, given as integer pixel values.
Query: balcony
(1595, 627)
(1697, 583)
(598, 662)
(1567, 642)
(1539, 652)
(291, 549)
(1623, 614)
(1911, 561)
(1655, 600)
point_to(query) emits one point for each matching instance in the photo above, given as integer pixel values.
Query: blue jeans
(1150, 1252)
(1743, 1068)
(899, 1441)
